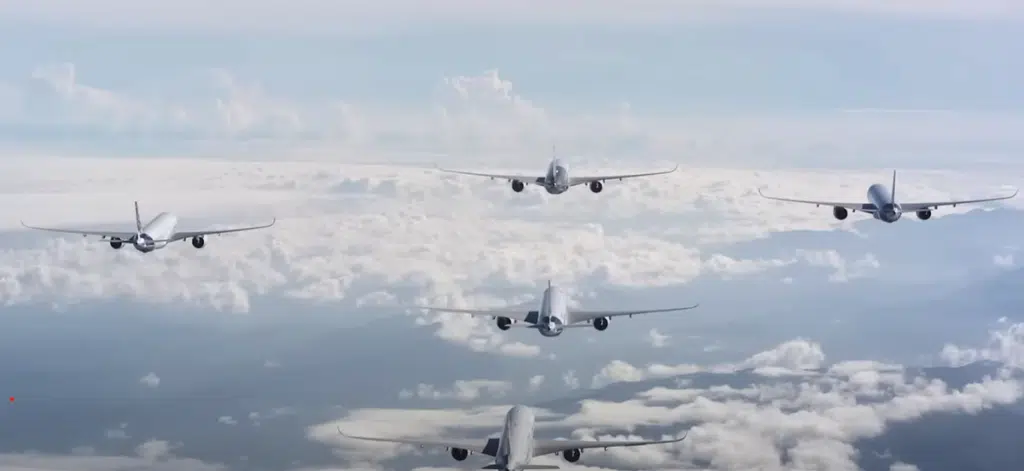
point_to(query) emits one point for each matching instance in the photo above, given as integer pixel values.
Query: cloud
(810, 421)
(151, 380)
(657, 339)
(482, 114)
(462, 390)
(1004, 346)
(536, 382)
(316, 15)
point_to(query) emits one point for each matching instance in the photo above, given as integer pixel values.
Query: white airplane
(557, 180)
(516, 447)
(882, 204)
(155, 235)
(554, 315)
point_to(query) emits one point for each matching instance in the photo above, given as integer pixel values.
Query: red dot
(12, 399)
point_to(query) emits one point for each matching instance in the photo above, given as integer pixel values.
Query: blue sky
(777, 60)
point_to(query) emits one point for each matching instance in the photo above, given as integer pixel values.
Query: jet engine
(840, 213)
(198, 242)
(504, 323)
(572, 455)
(924, 214)
(459, 454)
(601, 323)
(517, 186)
(596, 187)
(116, 243)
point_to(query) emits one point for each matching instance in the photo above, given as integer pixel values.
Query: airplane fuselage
(554, 312)
(515, 448)
(556, 181)
(154, 235)
(885, 208)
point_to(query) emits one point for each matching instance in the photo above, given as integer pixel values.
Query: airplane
(554, 315)
(157, 234)
(557, 180)
(882, 204)
(516, 446)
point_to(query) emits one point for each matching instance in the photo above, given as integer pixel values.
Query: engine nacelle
(116, 243)
(596, 187)
(518, 186)
(924, 214)
(840, 213)
(601, 323)
(504, 323)
(198, 242)
(572, 455)
(459, 454)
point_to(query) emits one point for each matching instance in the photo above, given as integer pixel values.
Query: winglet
(761, 193)
(343, 433)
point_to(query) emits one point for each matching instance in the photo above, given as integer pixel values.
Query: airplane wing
(865, 207)
(520, 315)
(85, 232)
(187, 234)
(503, 176)
(587, 316)
(487, 447)
(544, 447)
(573, 181)
(935, 205)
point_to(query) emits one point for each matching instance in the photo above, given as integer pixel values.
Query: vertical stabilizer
(892, 196)
(138, 218)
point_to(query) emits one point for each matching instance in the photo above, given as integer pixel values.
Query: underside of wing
(186, 234)
(84, 232)
(573, 181)
(865, 207)
(520, 315)
(937, 204)
(487, 447)
(503, 176)
(545, 447)
(589, 315)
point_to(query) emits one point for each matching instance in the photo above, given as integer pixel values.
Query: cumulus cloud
(151, 380)
(1004, 346)
(657, 339)
(462, 390)
(326, 245)
(807, 421)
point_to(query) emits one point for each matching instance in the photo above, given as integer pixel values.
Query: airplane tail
(138, 218)
(524, 467)
(892, 197)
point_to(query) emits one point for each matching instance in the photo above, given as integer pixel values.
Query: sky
(818, 344)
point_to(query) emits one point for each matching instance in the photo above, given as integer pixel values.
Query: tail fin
(892, 197)
(524, 467)
(138, 219)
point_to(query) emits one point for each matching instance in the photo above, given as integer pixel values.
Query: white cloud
(1005, 346)
(93, 462)
(318, 15)
(536, 382)
(151, 380)
(814, 420)
(227, 420)
(326, 245)
(462, 390)
(657, 339)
